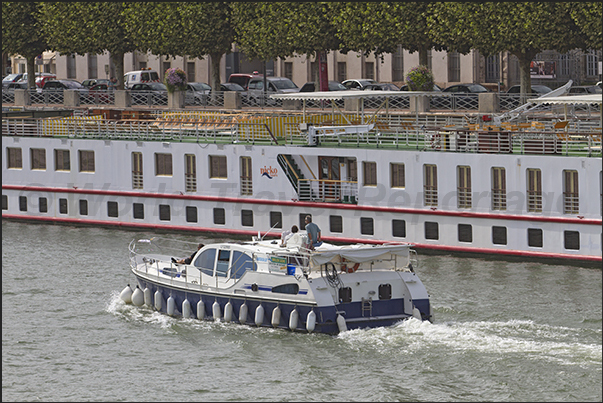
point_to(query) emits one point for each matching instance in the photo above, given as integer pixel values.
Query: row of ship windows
(431, 229)
(218, 169)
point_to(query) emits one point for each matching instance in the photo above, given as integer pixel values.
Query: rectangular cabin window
(397, 175)
(217, 167)
(499, 188)
(14, 158)
(367, 226)
(430, 185)
(352, 170)
(164, 212)
(570, 192)
(431, 230)
(43, 205)
(535, 237)
(138, 211)
(276, 219)
(136, 170)
(112, 209)
(370, 173)
(499, 235)
(86, 161)
(191, 214)
(163, 164)
(206, 261)
(38, 159)
(399, 228)
(336, 224)
(62, 206)
(190, 173)
(534, 190)
(247, 218)
(302, 220)
(83, 207)
(464, 186)
(571, 240)
(246, 177)
(62, 160)
(4, 202)
(465, 233)
(219, 216)
(22, 203)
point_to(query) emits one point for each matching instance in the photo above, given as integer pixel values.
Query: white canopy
(358, 253)
(355, 94)
(571, 99)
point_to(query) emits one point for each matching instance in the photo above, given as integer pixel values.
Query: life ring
(435, 142)
(346, 269)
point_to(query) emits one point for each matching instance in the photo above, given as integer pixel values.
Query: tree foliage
(588, 17)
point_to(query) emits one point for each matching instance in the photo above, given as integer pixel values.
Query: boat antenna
(275, 224)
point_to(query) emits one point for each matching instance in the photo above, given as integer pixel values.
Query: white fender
(341, 323)
(158, 300)
(311, 321)
(416, 313)
(293, 319)
(276, 316)
(200, 310)
(171, 305)
(148, 296)
(186, 309)
(431, 313)
(243, 313)
(259, 315)
(215, 308)
(137, 297)
(228, 312)
(126, 294)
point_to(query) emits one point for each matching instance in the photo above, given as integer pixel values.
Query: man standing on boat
(313, 231)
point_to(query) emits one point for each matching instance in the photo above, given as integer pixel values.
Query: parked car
(514, 93)
(41, 78)
(276, 85)
(99, 93)
(11, 78)
(149, 94)
(225, 87)
(91, 82)
(197, 93)
(382, 87)
(243, 78)
(333, 86)
(584, 89)
(466, 96)
(358, 84)
(141, 76)
(11, 87)
(55, 88)
(435, 88)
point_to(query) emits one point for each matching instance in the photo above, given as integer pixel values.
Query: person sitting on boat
(314, 238)
(288, 234)
(188, 260)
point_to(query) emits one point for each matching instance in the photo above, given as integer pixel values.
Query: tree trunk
(215, 70)
(525, 86)
(118, 61)
(423, 56)
(31, 72)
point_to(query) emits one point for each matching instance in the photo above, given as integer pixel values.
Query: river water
(503, 331)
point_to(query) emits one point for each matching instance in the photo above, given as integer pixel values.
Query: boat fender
(126, 294)
(341, 324)
(137, 297)
(215, 309)
(276, 317)
(416, 313)
(200, 310)
(243, 313)
(186, 309)
(259, 315)
(148, 296)
(311, 321)
(293, 319)
(171, 305)
(228, 312)
(158, 300)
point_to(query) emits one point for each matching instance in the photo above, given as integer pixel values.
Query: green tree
(588, 17)
(89, 27)
(21, 34)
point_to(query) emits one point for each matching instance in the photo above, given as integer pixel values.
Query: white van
(140, 76)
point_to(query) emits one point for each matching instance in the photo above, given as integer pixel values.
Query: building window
(399, 228)
(71, 72)
(166, 65)
(464, 186)
(398, 64)
(454, 67)
(499, 235)
(564, 65)
(217, 167)
(367, 226)
(62, 206)
(15, 160)
(142, 65)
(246, 179)
(62, 160)
(138, 211)
(136, 170)
(190, 173)
(219, 216)
(43, 205)
(163, 164)
(336, 224)
(92, 66)
(22, 203)
(86, 161)
(571, 240)
(112, 209)
(191, 214)
(397, 175)
(190, 72)
(38, 158)
(276, 219)
(83, 207)
(499, 189)
(247, 218)
(431, 230)
(430, 184)
(493, 68)
(164, 212)
(288, 70)
(369, 70)
(4, 202)
(535, 237)
(591, 64)
(370, 173)
(570, 192)
(341, 71)
(534, 190)
(465, 233)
